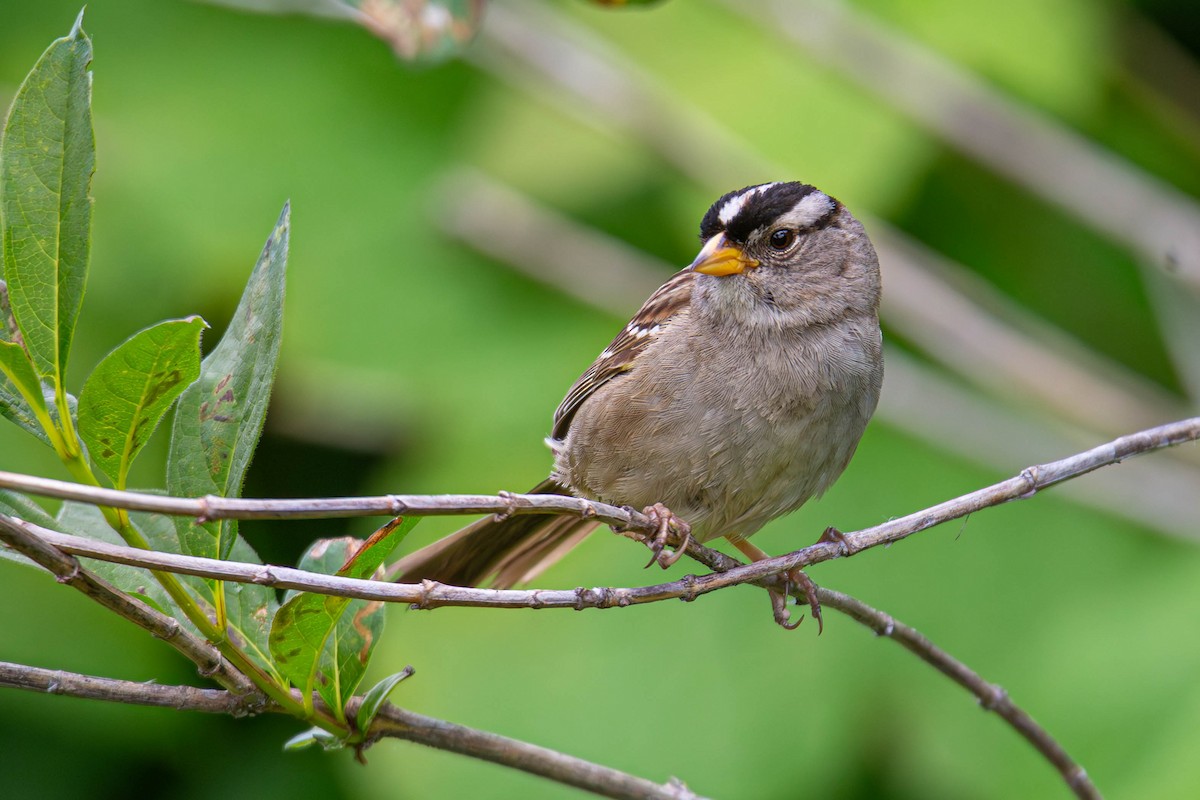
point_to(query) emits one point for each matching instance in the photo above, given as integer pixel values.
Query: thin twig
(403, 724)
(66, 569)
(212, 507)
(391, 722)
(180, 698)
(991, 696)
(430, 594)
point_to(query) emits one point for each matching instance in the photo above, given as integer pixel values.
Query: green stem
(119, 521)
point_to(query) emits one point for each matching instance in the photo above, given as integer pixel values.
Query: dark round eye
(782, 239)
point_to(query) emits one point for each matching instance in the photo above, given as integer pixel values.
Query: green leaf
(250, 607)
(14, 408)
(314, 736)
(46, 162)
(376, 696)
(132, 388)
(12, 405)
(322, 643)
(82, 519)
(219, 417)
(27, 407)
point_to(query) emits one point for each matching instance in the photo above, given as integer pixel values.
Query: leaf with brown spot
(322, 643)
(128, 393)
(220, 416)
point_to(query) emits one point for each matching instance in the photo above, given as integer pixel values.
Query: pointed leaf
(314, 736)
(132, 388)
(324, 643)
(220, 416)
(18, 372)
(46, 163)
(302, 740)
(376, 697)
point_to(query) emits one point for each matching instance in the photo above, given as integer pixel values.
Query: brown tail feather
(509, 551)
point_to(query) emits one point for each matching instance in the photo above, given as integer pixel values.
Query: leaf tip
(77, 28)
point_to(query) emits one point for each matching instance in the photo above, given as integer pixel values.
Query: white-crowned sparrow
(737, 392)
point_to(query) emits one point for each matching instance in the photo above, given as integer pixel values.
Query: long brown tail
(509, 551)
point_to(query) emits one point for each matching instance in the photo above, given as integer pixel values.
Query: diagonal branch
(391, 722)
(430, 594)
(20, 536)
(180, 698)
(992, 697)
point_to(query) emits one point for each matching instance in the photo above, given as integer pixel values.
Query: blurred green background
(417, 358)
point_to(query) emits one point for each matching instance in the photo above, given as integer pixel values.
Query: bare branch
(393, 505)
(402, 724)
(992, 697)
(391, 722)
(180, 698)
(433, 595)
(66, 569)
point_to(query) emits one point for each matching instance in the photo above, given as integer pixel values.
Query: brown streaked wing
(618, 357)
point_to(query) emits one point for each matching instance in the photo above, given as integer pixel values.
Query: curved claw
(779, 607)
(665, 520)
(800, 577)
(665, 559)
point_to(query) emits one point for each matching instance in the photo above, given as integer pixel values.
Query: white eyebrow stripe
(735, 204)
(811, 209)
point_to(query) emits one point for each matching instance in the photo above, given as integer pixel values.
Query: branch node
(169, 630)
(888, 629)
(588, 511)
(510, 506)
(428, 587)
(679, 789)
(72, 575)
(206, 510)
(396, 506)
(209, 669)
(265, 577)
(689, 593)
(1031, 476)
(993, 698)
(583, 598)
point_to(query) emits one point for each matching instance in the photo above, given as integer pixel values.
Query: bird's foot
(799, 578)
(792, 578)
(667, 524)
(832, 535)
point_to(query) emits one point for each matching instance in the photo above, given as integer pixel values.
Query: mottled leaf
(46, 162)
(219, 417)
(131, 389)
(322, 643)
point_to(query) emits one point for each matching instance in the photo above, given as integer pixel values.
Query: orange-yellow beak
(720, 258)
